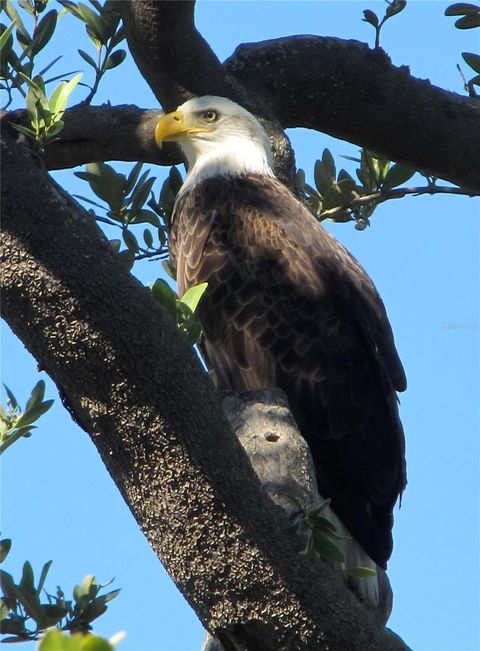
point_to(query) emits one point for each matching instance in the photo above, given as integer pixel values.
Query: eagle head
(218, 137)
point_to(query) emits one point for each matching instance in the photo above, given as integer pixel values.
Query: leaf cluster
(15, 422)
(18, 55)
(105, 31)
(469, 19)
(25, 613)
(130, 202)
(341, 198)
(394, 7)
(181, 309)
(322, 537)
(102, 25)
(45, 114)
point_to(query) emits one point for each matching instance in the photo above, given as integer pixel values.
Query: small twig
(396, 193)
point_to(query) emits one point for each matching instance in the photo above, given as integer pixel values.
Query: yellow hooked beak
(174, 125)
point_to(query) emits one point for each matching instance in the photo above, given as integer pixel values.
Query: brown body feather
(287, 306)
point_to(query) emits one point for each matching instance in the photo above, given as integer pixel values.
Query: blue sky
(423, 253)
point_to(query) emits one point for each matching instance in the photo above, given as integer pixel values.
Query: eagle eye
(210, 115)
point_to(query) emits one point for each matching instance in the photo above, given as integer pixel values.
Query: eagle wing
(287, 306)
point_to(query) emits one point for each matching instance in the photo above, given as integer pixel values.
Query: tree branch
(385, 195)
(340, 87)
(100, 133)
(349, 91)
(141, 394)
(171, 54)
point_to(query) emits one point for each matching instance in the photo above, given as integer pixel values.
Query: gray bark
(283, 464)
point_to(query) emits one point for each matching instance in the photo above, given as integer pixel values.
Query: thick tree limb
(171, 54)
(134, 385)
(340, 87)
(100, 133)
(354, 93)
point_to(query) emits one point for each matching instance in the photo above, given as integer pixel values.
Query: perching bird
(288, 306)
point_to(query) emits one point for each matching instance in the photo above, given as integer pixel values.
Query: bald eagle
(287, 306)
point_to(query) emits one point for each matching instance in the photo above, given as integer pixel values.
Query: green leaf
(94, 609)
(468, 22)
(395, 8)
(86, 57)
(132, 177)
(31, 604)
(54, 613)
(37, 395)
(397, 175)
(164, 294)
(95, 643)
(370, 17)
(115, 59)
(329, 164)
(8, 586)
(318, 508)
(113, 594)
(24, 39)
(57, 641)
(332, 198)
(475, 80)
(96, 26)
(43, 576)
(140, 194)
(144, 216)
(10, 397)
(148, 238)
(33, 414)
(360, 572)
(5, 546)
(28, 581)
(72, 7)
(473, 60)
(13, 14)
(4, 612)
(50, 65)
(25, 5)
(175, 180)
(361, 224)
(44, 31)
(344, 175)
(322, 179)
(115, 244)
(461, 8)
(4, 38)
(54, 130)
(326, 548)
(59, 98)
(192, 296)
(127, 258)
(169, 270)
(105, 183)
(130, 241)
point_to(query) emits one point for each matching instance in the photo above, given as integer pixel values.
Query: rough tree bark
(121, 368)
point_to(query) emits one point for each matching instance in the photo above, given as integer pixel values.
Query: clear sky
(423, 254)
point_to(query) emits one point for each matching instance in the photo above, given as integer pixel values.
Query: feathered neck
(234, 156)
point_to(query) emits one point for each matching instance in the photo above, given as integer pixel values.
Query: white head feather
(234, 144)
